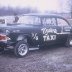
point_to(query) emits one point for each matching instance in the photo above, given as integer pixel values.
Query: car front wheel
(21, 49)
(69, 42)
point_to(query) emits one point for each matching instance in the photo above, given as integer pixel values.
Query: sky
(42, 5)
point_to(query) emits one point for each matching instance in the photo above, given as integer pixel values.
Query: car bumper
(6, 44)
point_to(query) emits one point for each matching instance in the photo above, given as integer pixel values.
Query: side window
(36, 21)
(49, 21)
(29, 20)
(62, 22)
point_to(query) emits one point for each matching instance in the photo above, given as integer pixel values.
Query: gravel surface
(50, 59)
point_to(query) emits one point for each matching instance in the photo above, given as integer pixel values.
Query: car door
(49, 30)
(35, 30)
(64, 30)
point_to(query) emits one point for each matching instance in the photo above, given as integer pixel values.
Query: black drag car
(33, 31)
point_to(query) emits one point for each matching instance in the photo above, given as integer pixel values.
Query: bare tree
(70, 6)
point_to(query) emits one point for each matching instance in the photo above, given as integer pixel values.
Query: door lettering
(49, 34)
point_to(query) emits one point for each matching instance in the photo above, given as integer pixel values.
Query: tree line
(11, 11)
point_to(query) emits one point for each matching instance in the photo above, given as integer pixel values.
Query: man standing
(16, 18)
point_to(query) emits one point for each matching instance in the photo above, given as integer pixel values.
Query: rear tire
(21, 49)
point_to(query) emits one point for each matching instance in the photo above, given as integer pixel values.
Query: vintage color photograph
(35, 35)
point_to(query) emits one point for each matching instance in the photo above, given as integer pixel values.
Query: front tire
(69, 42)
(21, 49)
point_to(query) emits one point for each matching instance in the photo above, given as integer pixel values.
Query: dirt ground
(50, 59)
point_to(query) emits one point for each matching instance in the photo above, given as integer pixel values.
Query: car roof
(42, 15)
(45, 15)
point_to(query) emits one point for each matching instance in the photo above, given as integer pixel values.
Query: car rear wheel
(21, 49)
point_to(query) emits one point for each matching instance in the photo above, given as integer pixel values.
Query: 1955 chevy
(33, 31)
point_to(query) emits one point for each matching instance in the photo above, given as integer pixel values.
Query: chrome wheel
(23, 49)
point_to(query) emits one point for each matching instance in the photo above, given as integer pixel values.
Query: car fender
(20, 37)
(23, 37)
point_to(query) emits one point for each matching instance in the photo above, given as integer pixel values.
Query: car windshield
(2, 21)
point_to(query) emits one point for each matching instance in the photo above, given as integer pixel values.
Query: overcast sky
(42, 5)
